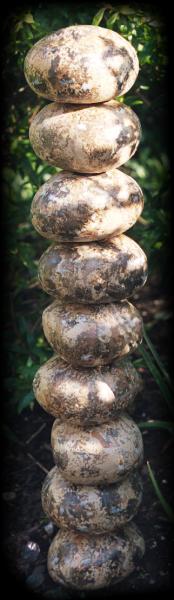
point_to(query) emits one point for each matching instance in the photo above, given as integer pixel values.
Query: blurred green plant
(23, 172)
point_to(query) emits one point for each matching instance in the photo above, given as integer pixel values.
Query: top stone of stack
(81, 64)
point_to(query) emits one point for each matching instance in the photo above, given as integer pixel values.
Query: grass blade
(168, 425)
(111, 20)
(166, 507)
(158, 378)
(157, 359)
(98, 17)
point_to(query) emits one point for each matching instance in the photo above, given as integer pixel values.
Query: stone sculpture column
(91, 269)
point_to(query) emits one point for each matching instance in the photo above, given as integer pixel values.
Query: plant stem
(157, 425)
(166, 507)
(157, 358)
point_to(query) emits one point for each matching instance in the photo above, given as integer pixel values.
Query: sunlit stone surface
(81, 64)
(101, 454)
(75, 207)
(86, 139)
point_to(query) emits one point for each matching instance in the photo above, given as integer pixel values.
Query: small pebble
(31, 551)
(49, 528)
(154, 544)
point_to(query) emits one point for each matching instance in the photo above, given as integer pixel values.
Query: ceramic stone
(88, 508)
(81, 63)
(95, 488)
(86, 139)
(86, 395)
(86, 561)
(97, 455)
(71, 207)
(88, 336)
(99, 272)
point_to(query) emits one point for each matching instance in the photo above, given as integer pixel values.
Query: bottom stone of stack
(83, 561)
(91, 509)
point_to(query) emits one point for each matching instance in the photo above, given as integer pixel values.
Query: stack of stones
(91, 268)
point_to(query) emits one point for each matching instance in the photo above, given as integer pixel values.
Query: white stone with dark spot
(100, 454)
(93, 273)
(92, 335)
(71, 207)
(90, 508)
(86, 139)
(86, 396)
(88, 561)
(81, 64)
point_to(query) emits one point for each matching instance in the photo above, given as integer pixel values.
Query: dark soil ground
(28, 532)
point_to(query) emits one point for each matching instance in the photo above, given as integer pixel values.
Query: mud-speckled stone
(84, 396)
(92, 335)
(86, 139)
(81, 63)
(97, 272)
(97, 455)
(88, 508)
(71, 207)
(89, 561)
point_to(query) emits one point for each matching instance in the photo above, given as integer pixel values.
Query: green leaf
(137, 102)
(98, 17)
(28, 18)
(18, 26)
(25, 401)
(166, 507)
(112, 19)
(168, 425)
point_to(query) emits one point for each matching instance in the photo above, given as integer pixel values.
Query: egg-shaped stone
(81, 63)
(88, 561)
(84, 396)
(88, 508)
(87, 139)
(100, 454)
(75, 207)
(96, 272)
(92, 335)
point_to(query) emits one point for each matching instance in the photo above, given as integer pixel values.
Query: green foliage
(23, 172)
(98, 17)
